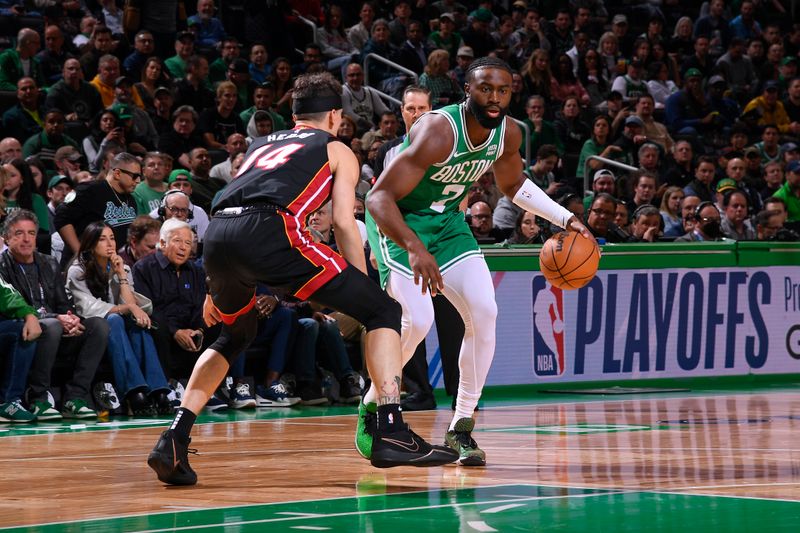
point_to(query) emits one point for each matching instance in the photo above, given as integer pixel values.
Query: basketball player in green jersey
(424, 246)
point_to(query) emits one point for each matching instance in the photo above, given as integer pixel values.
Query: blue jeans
(19, 357)
(133, 357)
(305, 350)
(333, 353)
(279, 329)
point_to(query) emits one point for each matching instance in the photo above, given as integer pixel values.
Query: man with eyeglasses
(180, 180)
(707, 224)
(600, 219)
(110, 200)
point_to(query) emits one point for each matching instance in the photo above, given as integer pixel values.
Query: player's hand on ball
(426, 270)
(573, 224)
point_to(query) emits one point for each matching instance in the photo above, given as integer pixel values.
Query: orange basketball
(569, 260)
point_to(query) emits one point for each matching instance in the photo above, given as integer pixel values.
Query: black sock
(390, 419)
(182, 425)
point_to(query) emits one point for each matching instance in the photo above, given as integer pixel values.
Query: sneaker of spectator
(216, 404)
(274, 395)
(16, 414)
(77, 408)
(106, 397)
(350, 388)
(310, 393)
(240, 397)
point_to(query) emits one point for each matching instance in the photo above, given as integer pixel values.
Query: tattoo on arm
(390, 392)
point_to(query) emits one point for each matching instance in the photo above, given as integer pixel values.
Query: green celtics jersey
(445, 184)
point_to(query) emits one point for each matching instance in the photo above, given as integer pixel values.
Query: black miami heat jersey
(288, 168)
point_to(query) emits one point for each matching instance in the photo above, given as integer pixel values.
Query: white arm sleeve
(531, 198)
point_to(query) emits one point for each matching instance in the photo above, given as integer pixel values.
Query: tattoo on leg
(390, 392)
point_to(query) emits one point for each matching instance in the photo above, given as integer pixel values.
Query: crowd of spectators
(122, 121)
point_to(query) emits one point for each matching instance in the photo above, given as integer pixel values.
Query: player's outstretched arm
(431, 142)
(344, 166)
(526, 194)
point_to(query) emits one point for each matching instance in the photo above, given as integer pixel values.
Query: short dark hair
(17, 216)
(416, 89)
(605, 196)
(726, 199)
(318, 85)
(546, 150)
(485, 62)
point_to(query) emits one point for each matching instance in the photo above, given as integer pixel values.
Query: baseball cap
(715, 79)
(771, 85)
(123, 111)
(726, 184)
(161, 90)
(240, 66)
(793, 166)
(789, 59)
(465, 51)
(789, 147)
(751, 151)
(633, 120)
(185, 35)
(60, 178)
(448, 16)
(619, 19)
(522, 4)
(603, 172)
(179, 174)
(482, 15)
(70, 153)
(123, 80)
(693, 73)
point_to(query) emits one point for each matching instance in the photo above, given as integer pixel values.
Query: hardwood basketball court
(705, 460)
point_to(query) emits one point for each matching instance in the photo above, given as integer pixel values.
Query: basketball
(569, 260)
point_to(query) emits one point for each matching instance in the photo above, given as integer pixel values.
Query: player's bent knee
(237, 337)
(387, 314)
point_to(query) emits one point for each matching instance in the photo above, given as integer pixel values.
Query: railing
(313, 27)
(587, 175)
(527, 131)
(392, 64)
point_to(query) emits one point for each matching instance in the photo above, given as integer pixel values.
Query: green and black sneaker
(460, 439)
(365, 428)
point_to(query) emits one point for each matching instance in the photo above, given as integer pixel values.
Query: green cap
(179, 174)
(123, 111)
(59, 178)
(726, 184)
(789, 59)
(693, 73)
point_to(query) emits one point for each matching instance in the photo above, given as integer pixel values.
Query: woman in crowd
(336, 49)
(101, 285)
(281, 79)
(105, 129)
(660, 86)
(611, 61)
(592, 76)
(574, 133)
(671, 209)
(599, 144)
(526, 230)
(154, 75)
(659, 53)
(567, 85)
(681, 43)
(444, 89)
(536, 75)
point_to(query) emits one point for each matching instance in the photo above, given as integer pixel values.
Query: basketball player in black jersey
(258, 235)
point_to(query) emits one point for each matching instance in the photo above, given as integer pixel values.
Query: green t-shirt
(146, 198)
(39, 208)
(176, 66)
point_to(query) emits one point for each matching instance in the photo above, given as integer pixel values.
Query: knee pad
(237, 337)
(387, 314)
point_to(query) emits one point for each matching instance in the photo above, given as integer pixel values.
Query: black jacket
(55, 294)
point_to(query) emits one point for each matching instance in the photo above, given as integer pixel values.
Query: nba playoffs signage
(639, 324)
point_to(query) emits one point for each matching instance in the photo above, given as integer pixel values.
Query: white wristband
(531, 198)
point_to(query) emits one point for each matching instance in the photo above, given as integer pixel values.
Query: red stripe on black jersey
(315, 194)
(318, 254)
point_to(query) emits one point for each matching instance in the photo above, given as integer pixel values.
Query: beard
(484, 119)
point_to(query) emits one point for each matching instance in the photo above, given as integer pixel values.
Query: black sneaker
(418, 401)
(350, 388)
(406, 448)
(138, 404)
(310, 394)
(161, 403)
(170, 460)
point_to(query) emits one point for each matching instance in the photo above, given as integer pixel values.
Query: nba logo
(548, 329)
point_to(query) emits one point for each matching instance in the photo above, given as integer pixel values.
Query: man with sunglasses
(110, 200)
